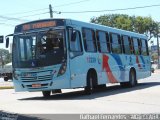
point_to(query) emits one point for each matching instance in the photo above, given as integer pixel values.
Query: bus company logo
(91, 60)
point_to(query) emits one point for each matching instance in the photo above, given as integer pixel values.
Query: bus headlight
(15, 75)
(62, 69)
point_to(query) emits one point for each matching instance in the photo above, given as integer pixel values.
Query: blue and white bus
(55, 54)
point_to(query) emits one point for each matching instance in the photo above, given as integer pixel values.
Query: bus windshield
(39, 49)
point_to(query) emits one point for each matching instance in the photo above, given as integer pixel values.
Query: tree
(5, 57)
(143, 25)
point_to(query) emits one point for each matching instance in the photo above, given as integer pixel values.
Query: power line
(11, 18)
(58, 12)
(7, 24)
(141, 7)
(34, 14)
(18, 13)
(52, 7)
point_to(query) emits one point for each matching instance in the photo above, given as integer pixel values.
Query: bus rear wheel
(46, 94)
(132, 79)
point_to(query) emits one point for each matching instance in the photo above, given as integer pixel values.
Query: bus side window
(131, 46)
(144, 47)
(75, 41)
(140, 46)
(89, 40)
(126, 44)
(102, 41)
(136, 46)
(115, 43)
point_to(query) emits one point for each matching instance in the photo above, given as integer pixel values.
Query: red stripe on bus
(137, 61)
(106, 67)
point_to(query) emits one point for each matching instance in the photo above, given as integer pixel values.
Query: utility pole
(158, 50)
(50, 11)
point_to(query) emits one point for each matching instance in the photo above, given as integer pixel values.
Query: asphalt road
(144, 98)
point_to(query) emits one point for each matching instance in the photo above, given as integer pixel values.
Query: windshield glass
(39, 49)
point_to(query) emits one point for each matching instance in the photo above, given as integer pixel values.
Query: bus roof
(44, 23)
(106, 28)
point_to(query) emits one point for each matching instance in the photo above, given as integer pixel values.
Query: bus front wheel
(46, 94)
(91, 82)
(89, 87)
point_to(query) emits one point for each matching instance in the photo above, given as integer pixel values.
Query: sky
(14, 12)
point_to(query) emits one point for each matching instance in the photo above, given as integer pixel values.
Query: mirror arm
(9, 35)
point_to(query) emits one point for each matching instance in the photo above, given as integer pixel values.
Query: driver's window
(52, 42)
(75, 41)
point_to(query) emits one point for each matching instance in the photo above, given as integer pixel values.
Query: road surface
(144, 98)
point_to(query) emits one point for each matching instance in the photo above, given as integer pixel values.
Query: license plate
(36, 85)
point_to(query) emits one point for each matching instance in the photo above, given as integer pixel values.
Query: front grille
(41, 76)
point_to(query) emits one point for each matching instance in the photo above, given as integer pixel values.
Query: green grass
(6, 87)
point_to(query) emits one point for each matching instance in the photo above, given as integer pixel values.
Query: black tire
(89, 88)
(46, 94)
(132, 79)
(6, 79)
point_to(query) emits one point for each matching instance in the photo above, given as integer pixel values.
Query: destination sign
(39, 25)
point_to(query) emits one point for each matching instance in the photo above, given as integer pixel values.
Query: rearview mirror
(7, 42)
(1, 39)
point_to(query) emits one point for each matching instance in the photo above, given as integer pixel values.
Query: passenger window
(103, 41)
(136, 46)
(144, 48)
(116, 44)
(75, 41)
(89, 40)
(140, 46)
(126, 44)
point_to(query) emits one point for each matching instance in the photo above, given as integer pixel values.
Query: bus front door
(76, 60)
